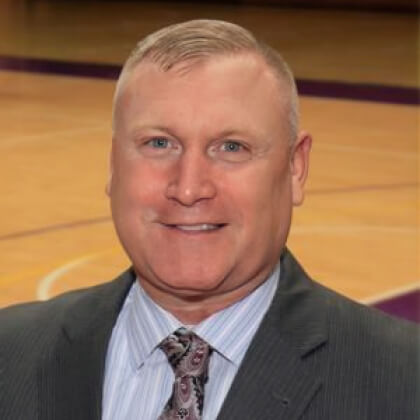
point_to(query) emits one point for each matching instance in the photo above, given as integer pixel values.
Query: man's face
(203, 178)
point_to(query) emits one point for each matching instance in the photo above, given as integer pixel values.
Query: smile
(199, 227)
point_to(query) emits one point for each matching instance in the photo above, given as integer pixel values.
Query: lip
(195, 228)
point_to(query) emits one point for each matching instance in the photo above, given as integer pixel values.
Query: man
(216, 319)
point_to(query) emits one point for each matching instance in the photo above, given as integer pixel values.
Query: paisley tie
(189, 358)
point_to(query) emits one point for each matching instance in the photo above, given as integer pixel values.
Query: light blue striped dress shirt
(138, 378)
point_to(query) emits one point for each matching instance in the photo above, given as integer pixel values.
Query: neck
(191, 309)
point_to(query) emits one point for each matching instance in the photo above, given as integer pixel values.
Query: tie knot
(187, 353)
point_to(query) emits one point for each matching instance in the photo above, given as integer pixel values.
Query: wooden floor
(358, 230)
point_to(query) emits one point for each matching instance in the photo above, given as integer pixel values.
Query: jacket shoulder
(369, 363)
(348, 317)
(375, 352)
(29, 329)
(33, 337)
(343, 318)
(38, 322)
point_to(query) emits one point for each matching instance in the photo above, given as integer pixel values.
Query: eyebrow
(140, 128)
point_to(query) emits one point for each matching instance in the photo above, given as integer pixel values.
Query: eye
(231, 151)
(159, 142)
(159, 147)
(232, 146)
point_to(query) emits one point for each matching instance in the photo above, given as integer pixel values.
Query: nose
(191, 180)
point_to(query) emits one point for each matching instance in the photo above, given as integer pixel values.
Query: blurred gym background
(356, 62)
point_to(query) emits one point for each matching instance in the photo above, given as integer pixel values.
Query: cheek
(137, 195)
(265, 203)
(138, 183)
(259, 192)
(281, 209)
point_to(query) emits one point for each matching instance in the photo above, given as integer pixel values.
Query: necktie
(188, 355)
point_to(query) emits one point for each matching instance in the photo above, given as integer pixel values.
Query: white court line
(367, 151)
(333, 229)
(46, 283)
(391, 293)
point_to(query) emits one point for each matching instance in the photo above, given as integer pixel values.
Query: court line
(46, 283)
(13, 140)
(391, 294)
(361, 188)
(306, 87)
(332, 229)
(106, 219)
(295, 228)
(53, 228)
(366, 150)
(60, 67)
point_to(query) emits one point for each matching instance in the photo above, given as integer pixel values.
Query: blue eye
(159, 143)
(231, 146)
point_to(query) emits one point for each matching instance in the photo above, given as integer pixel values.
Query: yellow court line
(349, 229)
(63, 117)
(13, 140)
(366, 150)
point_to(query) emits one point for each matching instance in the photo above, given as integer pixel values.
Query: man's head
(187, 43)
(206, 164)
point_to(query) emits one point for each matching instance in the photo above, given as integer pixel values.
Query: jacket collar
(278, 377)
(71, 372)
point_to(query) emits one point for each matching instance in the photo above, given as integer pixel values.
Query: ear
(110, 171)
(299, 166)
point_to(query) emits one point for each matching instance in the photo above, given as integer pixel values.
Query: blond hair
(187, 42)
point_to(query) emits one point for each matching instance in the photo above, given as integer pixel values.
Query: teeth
(204, 226)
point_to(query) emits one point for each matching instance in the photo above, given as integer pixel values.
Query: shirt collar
(147, 324)
(231, 330)
(228, 331)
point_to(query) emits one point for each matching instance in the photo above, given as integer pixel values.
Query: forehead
(224, 72)
(238, 87)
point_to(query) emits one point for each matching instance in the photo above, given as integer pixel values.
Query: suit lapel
(71, 373)
(279, 377)
(277, 380)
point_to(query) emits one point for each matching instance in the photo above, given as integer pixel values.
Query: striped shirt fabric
(138, 378)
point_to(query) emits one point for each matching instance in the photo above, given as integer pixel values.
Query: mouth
(197, 227)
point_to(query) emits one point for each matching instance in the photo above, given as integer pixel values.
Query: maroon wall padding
(385, 5)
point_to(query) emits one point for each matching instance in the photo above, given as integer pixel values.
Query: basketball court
(357, 74)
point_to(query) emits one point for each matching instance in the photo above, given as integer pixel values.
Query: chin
(190, 281)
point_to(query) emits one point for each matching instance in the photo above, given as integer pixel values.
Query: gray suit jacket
(316, 355)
